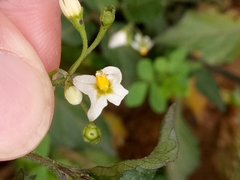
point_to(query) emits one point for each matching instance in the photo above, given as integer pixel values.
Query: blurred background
(191, 57)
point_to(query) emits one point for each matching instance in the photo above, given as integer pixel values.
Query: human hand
(30, 42)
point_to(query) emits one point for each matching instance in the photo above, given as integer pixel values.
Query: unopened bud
(91, 133)
(70, 8)
(73, 95)
(107, 16)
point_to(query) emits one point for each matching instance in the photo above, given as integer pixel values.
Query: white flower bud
(118, 39)
(73, 95)
(70, 8)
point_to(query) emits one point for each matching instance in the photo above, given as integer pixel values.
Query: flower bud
(121, 38)
(70, 8)
(91, 133)
(107, 16)
(73, 95)
(118, 39)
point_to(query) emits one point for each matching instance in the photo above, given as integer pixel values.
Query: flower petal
(138, 38)
(85, 83)
(149, 43)
(119, 92)
(97, 105)
(135, 45)
(114, 74)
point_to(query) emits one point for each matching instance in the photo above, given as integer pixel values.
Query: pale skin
(30, 41)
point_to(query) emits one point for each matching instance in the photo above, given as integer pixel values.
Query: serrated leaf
(141, 10)
(145, 69)
(165, 152)
(206, 84)
(188, 155)
(22, 175)
(137, 94)
(216, 36)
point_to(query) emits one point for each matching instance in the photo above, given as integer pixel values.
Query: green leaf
(161, 65)
(145, 69)
(22, 175)
(157, 98)
(178, 55)
(215, 35)
(138, 174)
(177, 60)
(137, 94)
(206, 84)
(141, 10)
(165, 152)
(188, 155)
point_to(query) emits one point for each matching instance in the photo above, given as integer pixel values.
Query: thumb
(26, 94)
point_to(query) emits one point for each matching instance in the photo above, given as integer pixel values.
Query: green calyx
(107, 16)
(91, 133)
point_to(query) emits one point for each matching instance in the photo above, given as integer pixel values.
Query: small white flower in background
(104, 86)
(142, 44)
(73, 95)
(70, 8)
(118, 39)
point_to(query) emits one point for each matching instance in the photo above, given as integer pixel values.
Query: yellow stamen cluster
(102, 82)
(143, 51)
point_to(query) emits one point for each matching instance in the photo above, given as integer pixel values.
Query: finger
(39, 21)
(26, 94)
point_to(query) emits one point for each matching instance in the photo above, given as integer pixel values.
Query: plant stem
(97, 40)
(59, 82)
(58, 169)
(80, 27)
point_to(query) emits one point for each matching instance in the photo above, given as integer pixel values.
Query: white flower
(70, 8)
(73, 95)
(104, 86)
(142, 44)
(118, 39)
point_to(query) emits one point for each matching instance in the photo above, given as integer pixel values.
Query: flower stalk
(80, 27)
(57, 168)
(107, 17)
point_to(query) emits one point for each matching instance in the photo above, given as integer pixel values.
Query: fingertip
(26, 107)
(26, 94)
(40, 23)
